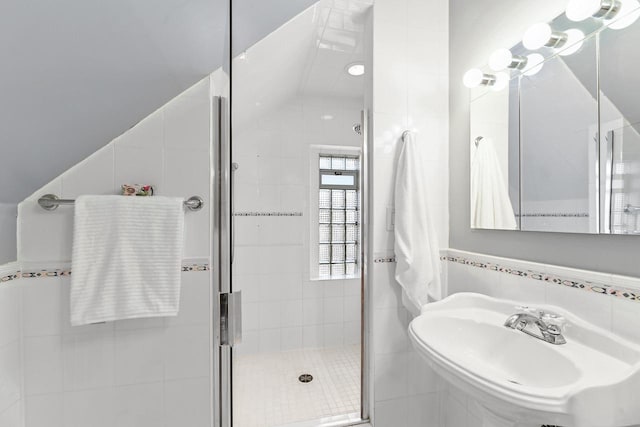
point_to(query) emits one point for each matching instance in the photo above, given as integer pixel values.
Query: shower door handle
(231, 318)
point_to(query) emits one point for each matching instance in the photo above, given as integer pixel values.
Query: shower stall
(272, 326)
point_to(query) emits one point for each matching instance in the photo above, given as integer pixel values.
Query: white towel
(416, 242)
(490, 204)
(127, 255)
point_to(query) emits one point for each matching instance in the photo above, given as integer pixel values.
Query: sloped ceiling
(307, 57)
(76, 74)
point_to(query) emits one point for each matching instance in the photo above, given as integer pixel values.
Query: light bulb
(537, 36)
(575, 40)
(579, 10)
(473, 78)
(628, 13)
(500, 59)
(502, 81)
(535, 62)
(356, 69)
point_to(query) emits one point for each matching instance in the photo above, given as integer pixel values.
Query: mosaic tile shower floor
(267, 392)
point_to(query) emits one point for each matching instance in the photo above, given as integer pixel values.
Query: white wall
(143, 372)
(410, 91)
(11, 362)
(8, 214)
(283, 308)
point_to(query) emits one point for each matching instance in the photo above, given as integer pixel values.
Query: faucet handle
(553, 321)
(529, 310)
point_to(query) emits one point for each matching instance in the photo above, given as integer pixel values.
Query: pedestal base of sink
(489, 419)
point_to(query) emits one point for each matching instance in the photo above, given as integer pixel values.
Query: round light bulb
(500, 59)
(537, 36)
(502, 81)
(535, 62)
(575, 40)
(473, 78)
(579, 10)
(628, 14)
(355, 69)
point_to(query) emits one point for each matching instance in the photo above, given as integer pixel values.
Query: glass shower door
(298, 133)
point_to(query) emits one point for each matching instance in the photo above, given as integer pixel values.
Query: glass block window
(339, 216)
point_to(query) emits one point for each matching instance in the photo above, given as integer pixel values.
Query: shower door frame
(222, 246)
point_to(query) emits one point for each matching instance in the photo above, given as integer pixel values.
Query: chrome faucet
(546, 326)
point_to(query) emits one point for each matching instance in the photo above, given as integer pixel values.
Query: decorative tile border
(267, 214)
(554, 215)
(384, 259)
(561, 280)
(9, 277)
(32, 273)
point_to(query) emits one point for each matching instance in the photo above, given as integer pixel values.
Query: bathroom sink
(591, 380)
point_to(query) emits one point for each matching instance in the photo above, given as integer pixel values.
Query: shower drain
(305, 378)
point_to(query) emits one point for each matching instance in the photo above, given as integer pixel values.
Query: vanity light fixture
(356, 69)
(535, 62)
(627, 11)
(541, 35)
(579, 10)
(502, 58)
(628, 14)
(575, 40)
(475, 77)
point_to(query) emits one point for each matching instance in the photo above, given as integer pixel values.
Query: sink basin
(591, 381)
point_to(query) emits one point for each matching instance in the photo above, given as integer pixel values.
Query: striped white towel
(127, 255)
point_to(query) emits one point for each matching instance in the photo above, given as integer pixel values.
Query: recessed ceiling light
(355, 69)
(326, 117)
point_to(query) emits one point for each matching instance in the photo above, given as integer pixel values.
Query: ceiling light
(541, 35)
(575, 40)
(326, 117)
(355, 69)
(475, 77)
(579, 10)
(628, 13)
(503, 58)
(535, 62)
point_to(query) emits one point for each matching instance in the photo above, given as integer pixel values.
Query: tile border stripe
(572, 282)
(32, 273)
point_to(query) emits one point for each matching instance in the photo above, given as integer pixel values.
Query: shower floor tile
(267, 392)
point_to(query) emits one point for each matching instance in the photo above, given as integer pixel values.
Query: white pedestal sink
(591, 381)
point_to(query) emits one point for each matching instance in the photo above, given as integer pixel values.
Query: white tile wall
(119, 373)
(410, 92)
(142, 372)
(11, 363)
(283, 309)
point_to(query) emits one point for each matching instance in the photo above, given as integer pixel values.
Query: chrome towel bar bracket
(51, 202)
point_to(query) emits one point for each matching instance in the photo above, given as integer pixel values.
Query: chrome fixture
(542, 35)
(548, 325)
(51, 202)
(579, 10)
(476, 77)
(630, 209)
(357, 128)
(502, 58)
(477, 141)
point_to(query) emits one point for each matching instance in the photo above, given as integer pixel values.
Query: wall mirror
(554, 139)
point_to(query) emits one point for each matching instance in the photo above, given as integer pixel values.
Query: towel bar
(51, 202)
